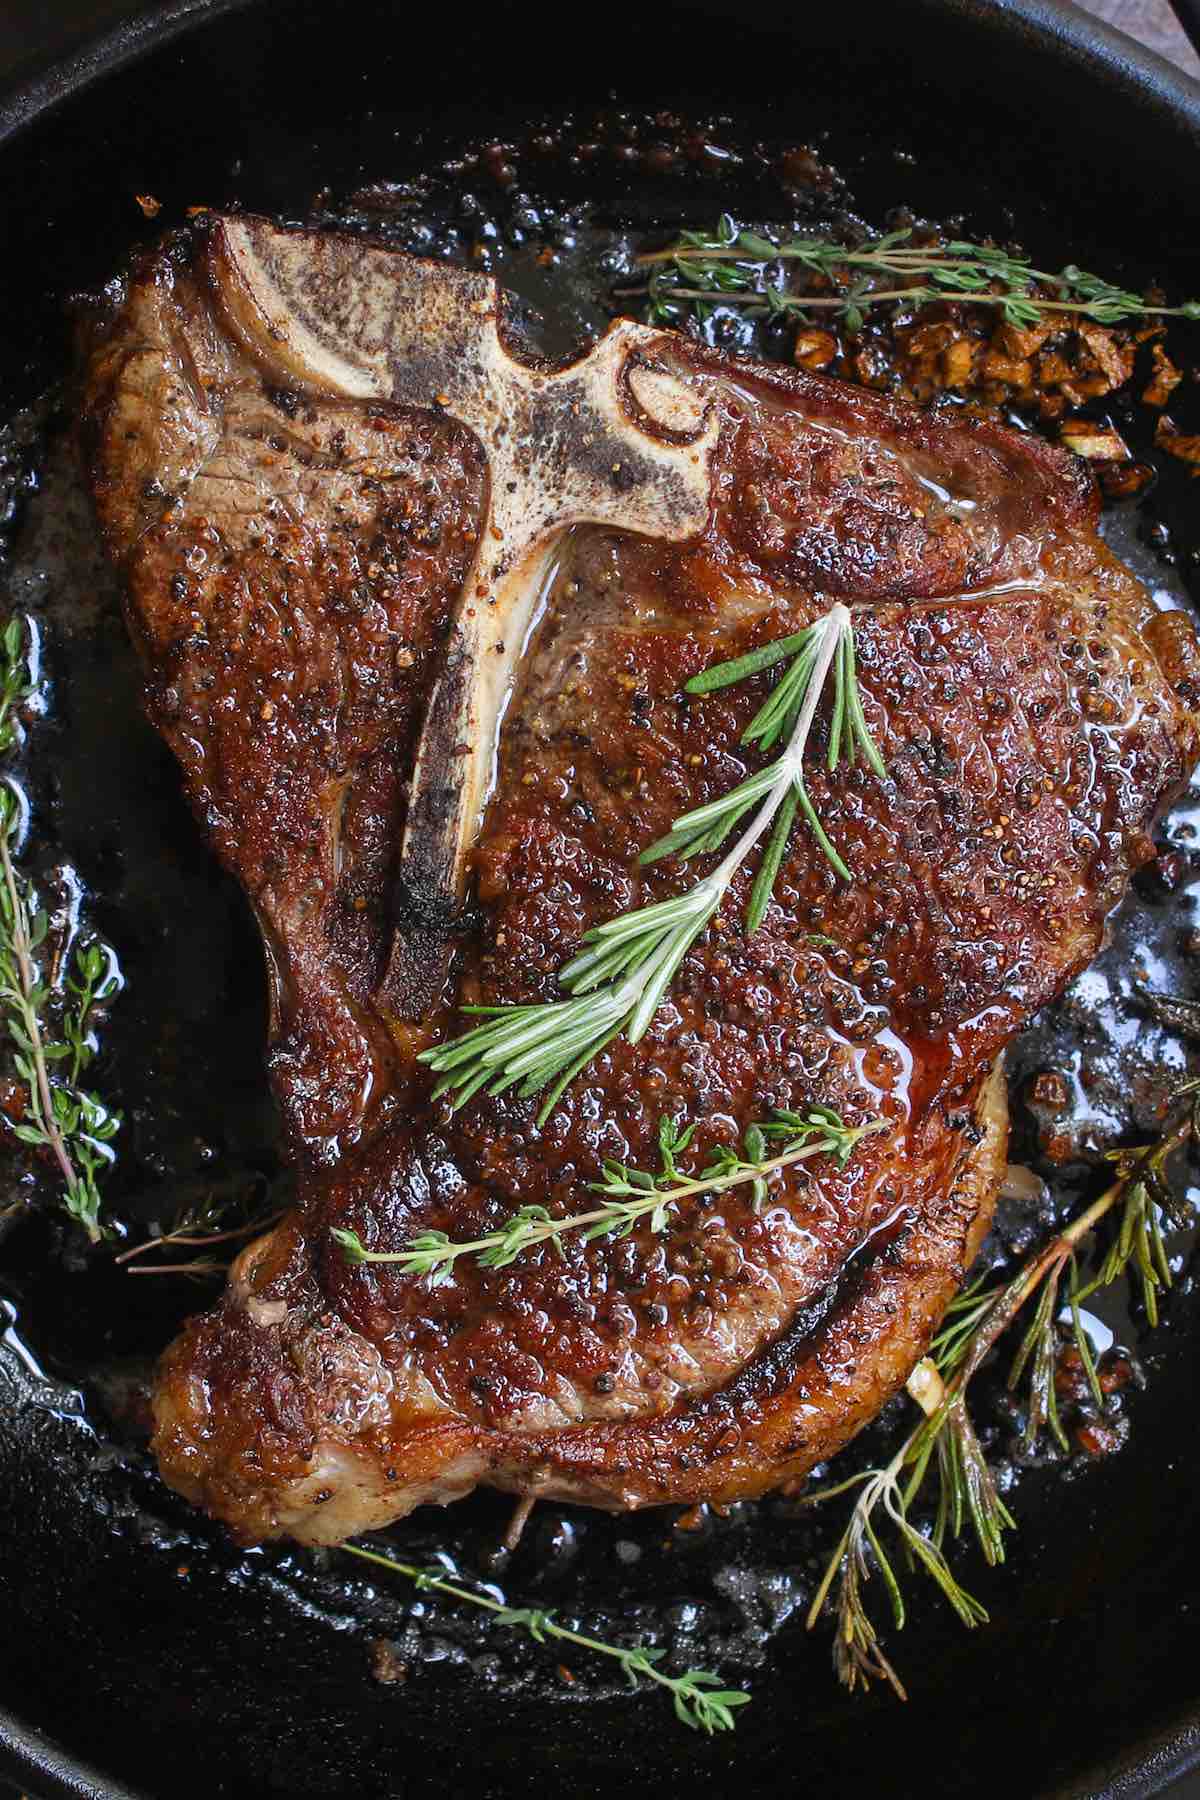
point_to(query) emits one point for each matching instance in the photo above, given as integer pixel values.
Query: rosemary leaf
(725, 674)
(768, 869)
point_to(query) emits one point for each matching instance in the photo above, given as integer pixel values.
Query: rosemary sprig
(733, 267)
(945, 1439)
(966, 1489)
(622, 974)
(1146, 1197)
(787, 712)
(858, 1655)
(700, 1700)
(633, 1194)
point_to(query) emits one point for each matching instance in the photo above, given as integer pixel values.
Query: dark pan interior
(132, 1642)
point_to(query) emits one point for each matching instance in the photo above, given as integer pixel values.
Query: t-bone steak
(416, 617)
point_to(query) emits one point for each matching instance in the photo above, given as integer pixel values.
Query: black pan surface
(139, 1653)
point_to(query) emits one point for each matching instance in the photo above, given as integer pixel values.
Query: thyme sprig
(17, 684)
(945, 1440)
(744, 268)
(633, 1195)
(700, 1700)
(622, 974)
(57, 1115)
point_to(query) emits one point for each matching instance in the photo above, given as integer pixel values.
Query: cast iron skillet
(132, 1660)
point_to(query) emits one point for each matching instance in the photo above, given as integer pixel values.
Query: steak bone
(616, 438)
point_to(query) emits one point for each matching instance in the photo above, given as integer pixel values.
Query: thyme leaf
(17, 683)
(700, 1700)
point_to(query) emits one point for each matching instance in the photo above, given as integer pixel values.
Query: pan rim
(1054, 26)
(1057, 29)
(25, 1752)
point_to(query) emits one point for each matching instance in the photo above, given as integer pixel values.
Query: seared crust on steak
(293, 561)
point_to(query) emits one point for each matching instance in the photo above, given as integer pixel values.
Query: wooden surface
(26, 26)
(1151, 22)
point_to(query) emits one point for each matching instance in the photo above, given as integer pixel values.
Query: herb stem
(23, 952)
(699, 1700)
(899, 261)
(200, 1239)
(945, 1438)
(837, 302)
(1008, 1303)
(201, 1266)
(533, 1225)
(625, 968)
(731, 267)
